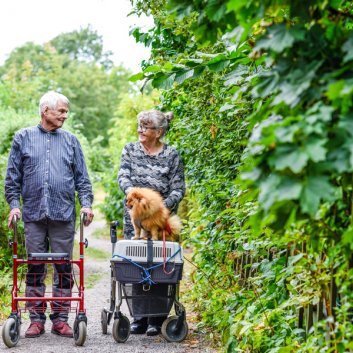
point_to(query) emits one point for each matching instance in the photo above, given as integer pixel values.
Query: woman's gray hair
(157, 118)
(51, 100)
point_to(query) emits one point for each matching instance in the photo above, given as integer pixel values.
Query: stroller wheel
(11, 332)
(104, 322)
(174, 329)
(121, 328)
(80, 333)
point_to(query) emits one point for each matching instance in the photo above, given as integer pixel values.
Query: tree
(74, 64)
(84, 45)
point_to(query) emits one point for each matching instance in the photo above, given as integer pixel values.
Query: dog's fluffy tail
(175, 226)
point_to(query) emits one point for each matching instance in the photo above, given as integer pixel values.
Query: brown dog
(149, 215)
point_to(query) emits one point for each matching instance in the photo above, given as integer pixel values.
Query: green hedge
(263, 96)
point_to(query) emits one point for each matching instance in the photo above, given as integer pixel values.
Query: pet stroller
(12, 326)
(139, 270)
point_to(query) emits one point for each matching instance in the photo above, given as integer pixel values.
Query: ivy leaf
(339, 160)
(225, 107)
(291, 157)
(294, 259)
(288, 189)
(350, 149)
(286, 133)
(137, 77)
(279, 37)
(335, 89)
(346, 124)
(215, 11)
(296, 83)
(276, 188)
(152, 68)
(163, 81)
(218, 63)
(251, 175)
(236, 76)
(184, 75)
(268, 188)
(347, 238)
(315, 188)
(319, 112)
(348, 49)
(235, 5)
(315, 150)
(193, 62)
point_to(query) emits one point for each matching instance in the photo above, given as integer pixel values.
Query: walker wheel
(80, 333)
(104, 322)
(121, 328)
(11, 332)
(173, 330)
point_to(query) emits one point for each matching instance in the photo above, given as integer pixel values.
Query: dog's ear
(135, 195)
(143, 203)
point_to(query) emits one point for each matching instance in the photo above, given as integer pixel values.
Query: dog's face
(136, 201)
(132, 199)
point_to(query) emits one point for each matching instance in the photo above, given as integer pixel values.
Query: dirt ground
(96, 298)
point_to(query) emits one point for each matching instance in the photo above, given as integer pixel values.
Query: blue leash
(147, 272)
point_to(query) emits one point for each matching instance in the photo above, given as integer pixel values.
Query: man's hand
(13, 212)
(89, 215)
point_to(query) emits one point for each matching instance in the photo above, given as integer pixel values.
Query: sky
(39, 21)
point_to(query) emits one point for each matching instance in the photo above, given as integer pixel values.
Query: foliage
(74, 64)
(262, 92)
(83, 45)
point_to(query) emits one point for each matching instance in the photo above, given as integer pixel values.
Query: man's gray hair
(157, 118)
(51, 100)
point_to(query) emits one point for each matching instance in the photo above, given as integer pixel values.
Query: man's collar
(40, 127)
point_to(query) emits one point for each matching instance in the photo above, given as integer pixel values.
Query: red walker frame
(11, 329)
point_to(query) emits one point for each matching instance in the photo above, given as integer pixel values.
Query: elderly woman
(153, 164)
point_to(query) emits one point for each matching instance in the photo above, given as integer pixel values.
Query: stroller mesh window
(157, 301)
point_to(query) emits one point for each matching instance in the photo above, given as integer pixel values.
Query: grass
(91, 279)
(91, 253)
(102, 233)
(97, 254)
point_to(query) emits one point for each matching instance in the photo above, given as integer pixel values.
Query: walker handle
(14, 224)
(83, 218)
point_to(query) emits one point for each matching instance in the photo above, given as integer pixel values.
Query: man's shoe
(62, 328)
(153, 330)
(35, 329)
(137, 329)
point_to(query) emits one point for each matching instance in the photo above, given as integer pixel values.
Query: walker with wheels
(140, 269)
(12, 327)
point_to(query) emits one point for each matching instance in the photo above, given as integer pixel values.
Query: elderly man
(46, 166)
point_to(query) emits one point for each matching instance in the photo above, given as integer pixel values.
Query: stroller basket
(130, 262)
(156, 301)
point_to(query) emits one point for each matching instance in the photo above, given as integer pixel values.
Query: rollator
(139, 268)
(12, 327)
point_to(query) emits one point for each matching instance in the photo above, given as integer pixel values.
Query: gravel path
(97, 298)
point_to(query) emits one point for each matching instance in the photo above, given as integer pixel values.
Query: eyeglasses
(145, 128)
